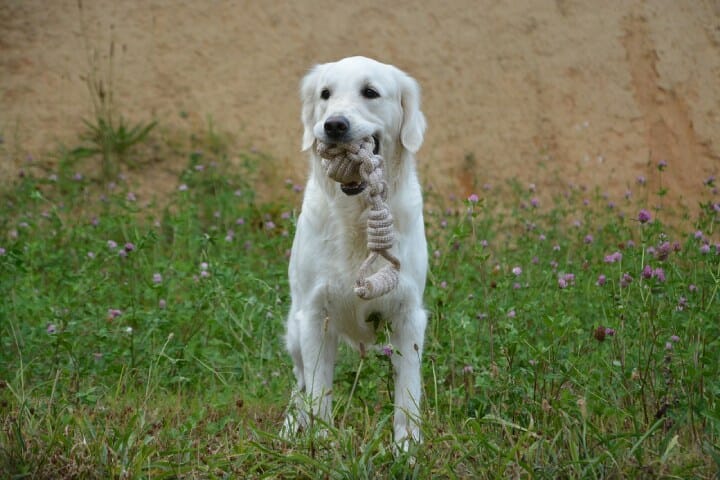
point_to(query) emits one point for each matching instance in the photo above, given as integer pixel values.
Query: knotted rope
(355, 163)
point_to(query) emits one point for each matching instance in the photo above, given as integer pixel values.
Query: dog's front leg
(407, 337)
(319, 349)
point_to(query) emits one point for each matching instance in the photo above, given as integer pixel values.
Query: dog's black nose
(336, 127)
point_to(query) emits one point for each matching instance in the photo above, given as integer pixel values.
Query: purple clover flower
(517, 271)
(647, 272)
(682, 304)
(588, 239)
(157, 278)
(601, 280)
(663, 251)
(473, 198)
(659, 274)
(613, 257)
(644, 216)
(626, 280)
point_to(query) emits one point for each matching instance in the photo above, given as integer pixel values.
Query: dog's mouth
(352, 188)
(376, 149)
(355, 188)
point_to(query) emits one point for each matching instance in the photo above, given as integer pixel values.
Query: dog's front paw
(295, 422)
(406, 436)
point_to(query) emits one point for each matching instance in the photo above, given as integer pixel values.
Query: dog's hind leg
(407, 336)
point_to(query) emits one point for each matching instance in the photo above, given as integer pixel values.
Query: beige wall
(586, 89)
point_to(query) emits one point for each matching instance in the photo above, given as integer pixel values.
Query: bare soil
(570, 91)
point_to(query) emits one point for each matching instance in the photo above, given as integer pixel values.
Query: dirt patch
(666, 120)
(580, 92)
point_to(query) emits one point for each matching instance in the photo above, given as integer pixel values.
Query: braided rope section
(356, 162)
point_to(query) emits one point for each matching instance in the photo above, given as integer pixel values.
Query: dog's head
(357, 97)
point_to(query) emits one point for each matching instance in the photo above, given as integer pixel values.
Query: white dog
(343, 102)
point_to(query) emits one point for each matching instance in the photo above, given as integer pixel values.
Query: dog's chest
(359, 321)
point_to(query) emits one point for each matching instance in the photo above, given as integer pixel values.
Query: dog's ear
(308, 91)
(413, 125)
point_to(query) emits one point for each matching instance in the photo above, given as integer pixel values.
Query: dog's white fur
(330, 242)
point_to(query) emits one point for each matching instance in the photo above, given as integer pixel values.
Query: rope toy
(354, 163)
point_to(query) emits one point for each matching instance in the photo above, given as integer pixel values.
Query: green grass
(167, 361)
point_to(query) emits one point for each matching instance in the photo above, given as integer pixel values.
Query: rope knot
(356, 162)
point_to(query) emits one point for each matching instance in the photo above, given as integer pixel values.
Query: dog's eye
(369, 92)
(325, 94)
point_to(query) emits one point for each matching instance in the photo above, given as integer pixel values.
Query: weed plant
(108, 136)
(144, 340)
